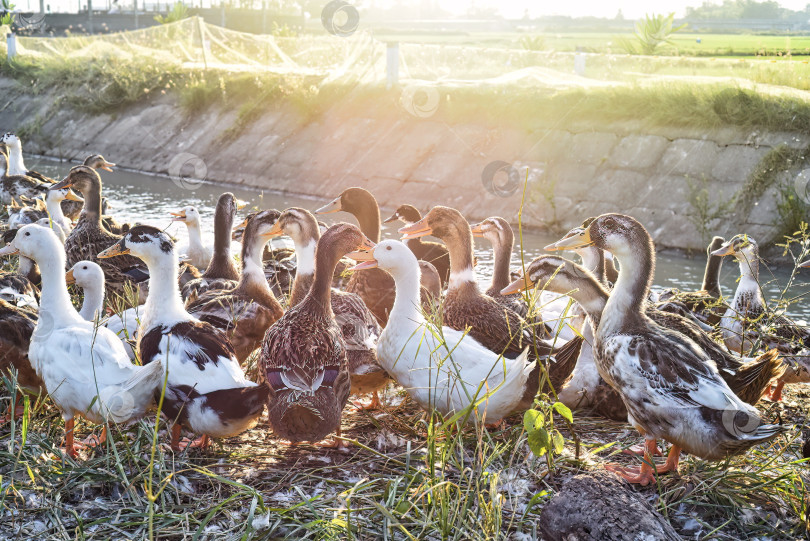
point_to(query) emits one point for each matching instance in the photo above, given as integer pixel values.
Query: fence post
(136, 14)
(391, 63)
(11, 44)
(90, 16)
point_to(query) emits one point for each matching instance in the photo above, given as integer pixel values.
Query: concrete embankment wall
(675, 181)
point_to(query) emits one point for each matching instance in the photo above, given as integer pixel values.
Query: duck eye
(27, 233)
(387, 247)
(85, 267)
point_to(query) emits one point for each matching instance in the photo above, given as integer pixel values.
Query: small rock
(599, 506)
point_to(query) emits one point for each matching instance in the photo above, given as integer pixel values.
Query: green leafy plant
(651, 32)
(704, 214)
(178, 12)
(8, 12)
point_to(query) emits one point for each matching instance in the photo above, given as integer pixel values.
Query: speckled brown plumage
(14, 186)
(16, 327)
(246, 311)
(303, 356)
(89, 237)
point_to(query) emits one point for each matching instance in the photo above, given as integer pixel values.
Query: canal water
(149, 199)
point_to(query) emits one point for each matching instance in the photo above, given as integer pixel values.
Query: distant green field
(686, 44)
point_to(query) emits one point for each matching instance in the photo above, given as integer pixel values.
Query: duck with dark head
(207, 391)
(432, 252)
(221, 272)
(303, 356)
(89, 236)
(375, 286)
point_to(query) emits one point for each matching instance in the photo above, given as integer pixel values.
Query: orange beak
(332, 206)
(275, 231)
(107, 166)
(66, 182)
(477, 231)
(113, 251)
(521, 284)
(178, 216)
(73, 196)
(416, 230)
(69, 278)
(364, 254)
(9, 249)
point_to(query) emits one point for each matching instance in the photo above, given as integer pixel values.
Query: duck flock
(344, 313)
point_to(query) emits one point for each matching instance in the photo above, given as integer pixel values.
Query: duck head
(495, 229)
(407, 214)
(352, 200)
(62, 194)
(85, 274)
(390, 255)
(551, 273)
(34, 242)
(298, 224)
(187, 215)
(97, 161)
(144, 242)
(80, 177)
(443, 222)
(618, 234)
(342, 239)
(11, 140)
(739, 246)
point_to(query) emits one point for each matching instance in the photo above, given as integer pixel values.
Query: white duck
(53, 203)
(85, 369)
(207, 390)
(90, 277)
(444, 376)
(198, 253)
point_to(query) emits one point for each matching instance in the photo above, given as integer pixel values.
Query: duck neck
(592, 296)
(164, 304)
(711, 275)
(460, 247)
(368, 218)
(55, 299)
(92, 202)
(54, 208)
(222, 265)
(320, 294)
(503, 257)
(407, 303)
(624, 308)
(5, 164)
(93, 303)
(16, 164)
(29, 269)
(749, 264)
(194, 235)
(593, 259)
(305, 268)
(253, 282)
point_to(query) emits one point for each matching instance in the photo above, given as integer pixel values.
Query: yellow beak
(113, 251)
(107, 166)
(178, 216)
(572, 241)
(477, 231)
(366, 259)
(416, 230)
(9, 249)
(69, 278)
(275, 231)
(332, 206)
(73, 196)
(521, 284)
(726, 249)
(240, 204)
